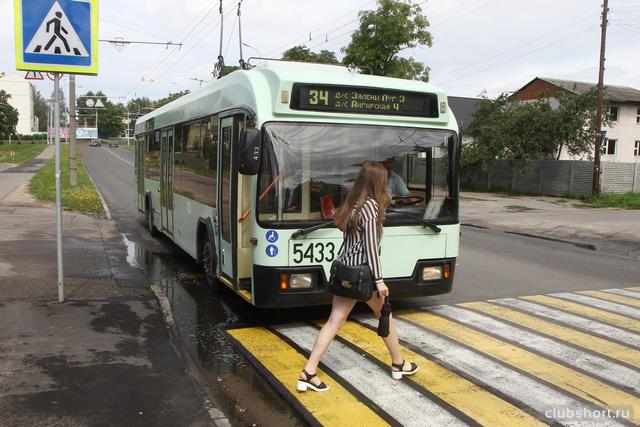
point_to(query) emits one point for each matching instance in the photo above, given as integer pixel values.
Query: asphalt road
(492, 264)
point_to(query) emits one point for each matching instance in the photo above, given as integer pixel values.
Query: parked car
(94, 143)
(113, 144)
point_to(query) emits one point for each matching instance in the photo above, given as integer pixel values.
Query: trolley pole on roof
(597, 172)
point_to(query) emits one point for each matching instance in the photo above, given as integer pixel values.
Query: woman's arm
(371, 240)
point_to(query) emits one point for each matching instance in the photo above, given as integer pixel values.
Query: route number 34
(314, 252)
(318, 97)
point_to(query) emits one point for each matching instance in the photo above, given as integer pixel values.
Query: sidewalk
(551, 217)
(103, 357)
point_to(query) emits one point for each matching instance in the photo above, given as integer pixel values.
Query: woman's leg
(340, 310)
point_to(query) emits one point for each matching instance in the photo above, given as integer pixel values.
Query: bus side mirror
(249, 151)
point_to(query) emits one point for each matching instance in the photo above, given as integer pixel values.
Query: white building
(622, 139)
(22, 95)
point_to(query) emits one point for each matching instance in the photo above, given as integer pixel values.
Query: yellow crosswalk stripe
(634, 289)
(590, 342)
(459, 392)
(583, 310)
(574, 382)
(612, 297)
(337, 407)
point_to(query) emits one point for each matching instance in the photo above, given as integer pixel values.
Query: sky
(479, 46)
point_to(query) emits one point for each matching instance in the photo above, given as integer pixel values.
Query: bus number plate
(315, 252)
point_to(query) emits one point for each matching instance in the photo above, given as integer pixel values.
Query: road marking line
(582, 323)
(590, 342)
(598, 303)
(405, 404)
(520, 387)
(335, 407)
(593, 365)
(634, 289)
(109, 151)
(102, 200)
(583, 310)
(459, 392)
(625, 292)
(574, 382)
(612, 297)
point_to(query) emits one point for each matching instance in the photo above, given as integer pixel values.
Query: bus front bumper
(268, 291)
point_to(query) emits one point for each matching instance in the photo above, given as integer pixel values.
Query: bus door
(166, 180)
(226, 215)
(140, 150)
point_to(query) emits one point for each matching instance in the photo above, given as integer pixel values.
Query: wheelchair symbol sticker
(272, 250)
(272, 236)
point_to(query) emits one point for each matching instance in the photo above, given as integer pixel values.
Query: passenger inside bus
(395, 185)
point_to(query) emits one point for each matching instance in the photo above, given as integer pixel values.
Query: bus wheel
(152, 228)
(209, 260)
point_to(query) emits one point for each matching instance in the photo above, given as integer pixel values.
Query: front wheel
(209, 260)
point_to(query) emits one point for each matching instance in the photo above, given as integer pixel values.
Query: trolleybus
(245, 175)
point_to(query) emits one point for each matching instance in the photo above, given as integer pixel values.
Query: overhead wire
(590, 26)
(164, 57)
(232, 9)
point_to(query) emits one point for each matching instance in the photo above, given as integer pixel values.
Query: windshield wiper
(305, 231)
(421, 221)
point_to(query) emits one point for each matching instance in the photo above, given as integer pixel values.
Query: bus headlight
(301, 281)
(431, 273)
(436, 272)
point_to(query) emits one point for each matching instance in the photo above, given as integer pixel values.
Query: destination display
(363, 100)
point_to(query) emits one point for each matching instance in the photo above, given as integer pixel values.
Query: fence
(553, 177)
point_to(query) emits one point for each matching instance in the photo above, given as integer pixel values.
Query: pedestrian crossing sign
(57, 36)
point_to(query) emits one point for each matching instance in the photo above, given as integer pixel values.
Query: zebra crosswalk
(560, 359)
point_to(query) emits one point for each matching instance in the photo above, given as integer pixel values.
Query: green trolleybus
(245, 175)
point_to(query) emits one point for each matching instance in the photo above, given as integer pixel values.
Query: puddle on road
(200, 312)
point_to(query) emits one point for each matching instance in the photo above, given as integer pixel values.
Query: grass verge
(23, 152)
(83, 198)
(624, 201)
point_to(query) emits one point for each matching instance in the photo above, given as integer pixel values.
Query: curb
(217, 416)
(104, 203)
(533, 236)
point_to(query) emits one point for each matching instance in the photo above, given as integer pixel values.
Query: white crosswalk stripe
(578, 322)
(623, 292)
(598, 303)
(592, 364)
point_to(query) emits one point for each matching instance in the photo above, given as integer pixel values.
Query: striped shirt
(363, 246)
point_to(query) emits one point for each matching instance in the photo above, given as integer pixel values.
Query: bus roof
(262, 90)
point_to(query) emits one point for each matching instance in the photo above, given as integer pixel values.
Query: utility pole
(73, 166)
(597, 172)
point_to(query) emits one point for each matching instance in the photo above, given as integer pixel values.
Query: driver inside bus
(395, 185)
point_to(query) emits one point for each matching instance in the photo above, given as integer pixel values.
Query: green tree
(524, 131)
(41, 110)
(111, 119)
(303, 54)
(8, 116)
(383, 34)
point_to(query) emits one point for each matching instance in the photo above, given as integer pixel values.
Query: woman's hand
(383, 291)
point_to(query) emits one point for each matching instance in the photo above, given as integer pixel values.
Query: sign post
(57, 36)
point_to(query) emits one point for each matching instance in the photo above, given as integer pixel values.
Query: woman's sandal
(304, 384)
(401, 372)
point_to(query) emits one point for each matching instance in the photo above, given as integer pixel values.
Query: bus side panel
(187, 212)
(453, 240)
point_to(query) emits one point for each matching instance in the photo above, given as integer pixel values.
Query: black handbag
(348, 281)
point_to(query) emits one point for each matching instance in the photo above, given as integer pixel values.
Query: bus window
(316, 165)
(152, 158)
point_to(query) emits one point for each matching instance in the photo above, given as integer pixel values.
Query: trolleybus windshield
(307, 170)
